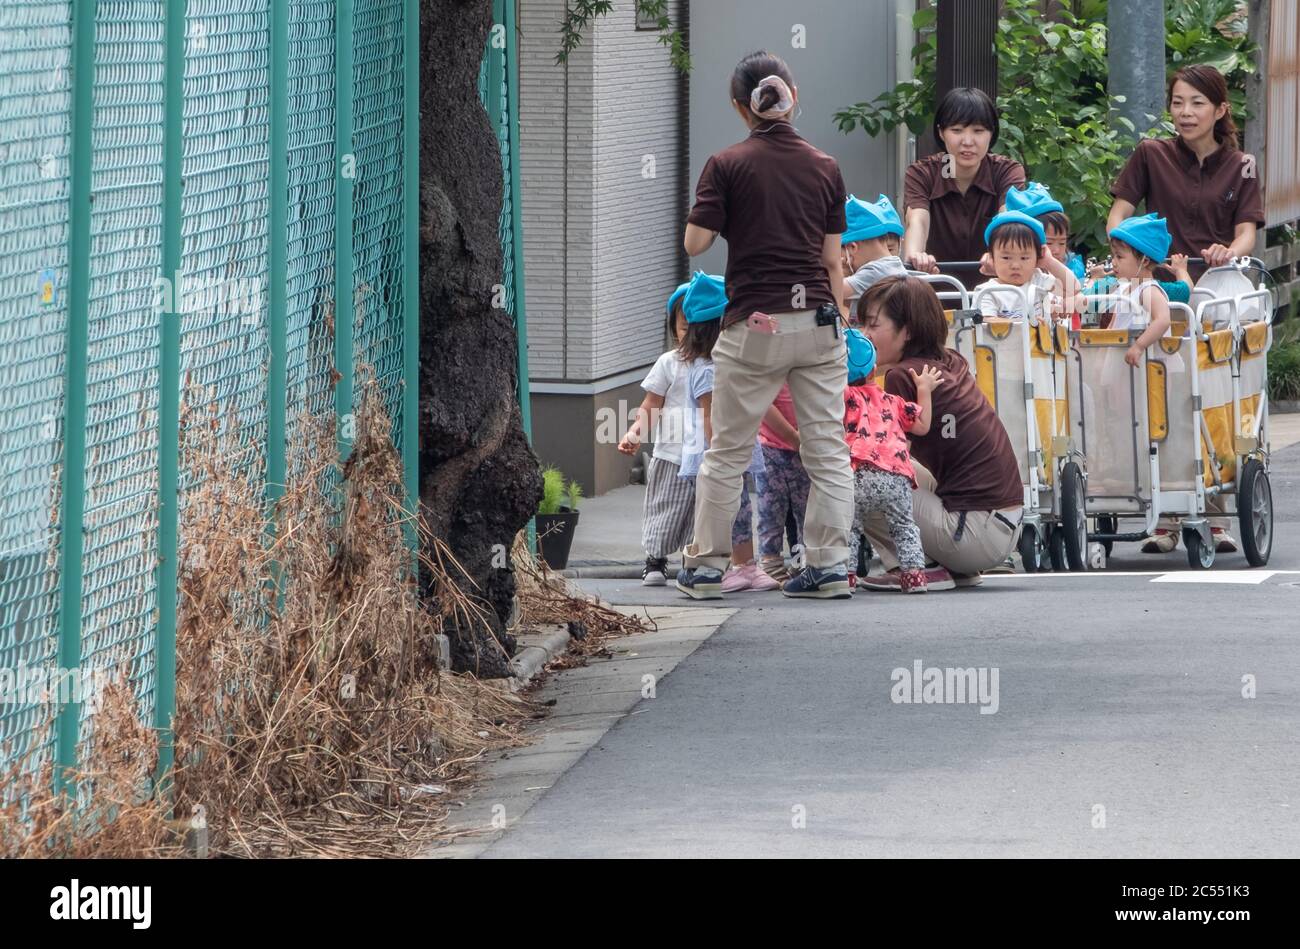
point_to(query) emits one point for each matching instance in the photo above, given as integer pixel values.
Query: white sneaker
(655, 573)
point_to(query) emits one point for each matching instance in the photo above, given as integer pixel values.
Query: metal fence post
(71, 547)
(169, 376)
(511, 55)
(277, 255)
(345, 312)
(411, 266)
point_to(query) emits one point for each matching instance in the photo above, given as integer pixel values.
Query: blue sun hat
(859, 354)
(705, 298)
(1148, 234)
(1033, 199)
(675, 296)
(866, 221)
(1015, 217)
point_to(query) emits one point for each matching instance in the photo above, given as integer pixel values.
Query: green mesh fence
(111, 81)
(35, 98)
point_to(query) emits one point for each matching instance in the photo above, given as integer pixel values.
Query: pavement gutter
(588, 701)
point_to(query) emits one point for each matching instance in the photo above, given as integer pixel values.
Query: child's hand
(1134, 356)
(986, 265)
(629, 444)
(927, 380)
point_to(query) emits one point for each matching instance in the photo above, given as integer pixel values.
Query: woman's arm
(834, 268)
(698, 239)
(779, 424)
(915, 237)
(1120, 210)
(651, 403)
(1243, 245)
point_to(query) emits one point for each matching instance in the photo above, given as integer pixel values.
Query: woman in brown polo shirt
(968, 502)
(950, 197)
(779, 204)
(1209, 194)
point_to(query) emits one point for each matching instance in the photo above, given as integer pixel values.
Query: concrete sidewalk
(608, 540)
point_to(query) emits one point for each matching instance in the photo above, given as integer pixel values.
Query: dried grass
(312, 717)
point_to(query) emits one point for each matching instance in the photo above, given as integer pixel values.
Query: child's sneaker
(760, 582)
(738, 578)
(853, 580)
(655, 572)
(913, 581)
(821, 583)
(700, 583)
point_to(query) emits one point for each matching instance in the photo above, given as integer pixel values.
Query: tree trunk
(479, 479)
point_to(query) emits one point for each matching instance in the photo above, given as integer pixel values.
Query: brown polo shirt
(1202, 202)
(773, 198)
(957, 221)
(966, 449)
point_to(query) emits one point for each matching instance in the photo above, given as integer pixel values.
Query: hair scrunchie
(784, 103)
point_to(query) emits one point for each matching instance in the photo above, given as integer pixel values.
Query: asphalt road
(1120, 728)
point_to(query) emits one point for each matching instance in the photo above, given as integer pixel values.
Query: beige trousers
(749, 368)
(985, 540)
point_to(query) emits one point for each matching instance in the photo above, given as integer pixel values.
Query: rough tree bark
(479, 479)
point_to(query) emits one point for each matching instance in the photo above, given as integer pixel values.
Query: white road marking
(1192, 576)
(1216, 576)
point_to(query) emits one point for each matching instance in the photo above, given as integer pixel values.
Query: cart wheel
(1255, 511)
(1107, 524)
(1074, 522)
(1031, 550)
(1199, 554)
(1056, 548)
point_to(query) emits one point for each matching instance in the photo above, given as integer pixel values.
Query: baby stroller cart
(1019, 365)
(1185, 427)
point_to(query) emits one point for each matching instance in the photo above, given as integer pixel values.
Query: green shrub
(1284, 368)
(552, 491)
(575, 495)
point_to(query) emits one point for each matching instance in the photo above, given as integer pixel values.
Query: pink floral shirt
(874, 426)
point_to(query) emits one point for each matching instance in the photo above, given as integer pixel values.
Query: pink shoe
(913, 581)
(738, 578)
(760, 582)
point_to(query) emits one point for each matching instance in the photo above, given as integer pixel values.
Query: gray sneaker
(830, 583)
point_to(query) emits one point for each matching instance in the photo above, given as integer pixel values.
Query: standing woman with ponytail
(779, 204)
(1207, 191)
(1199, 181)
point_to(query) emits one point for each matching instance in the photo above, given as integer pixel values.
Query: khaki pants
(985, 540)
(749, 368)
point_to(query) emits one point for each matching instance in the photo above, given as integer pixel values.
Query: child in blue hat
(1018, 246)
(865, 249)
(1035, 200)
(876, 427)
(1137, 247)
(678, 397)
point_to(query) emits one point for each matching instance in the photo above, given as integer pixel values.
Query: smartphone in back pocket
(761, 322)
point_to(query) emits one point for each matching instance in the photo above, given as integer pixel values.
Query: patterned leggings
(891, 495)
(782, 490)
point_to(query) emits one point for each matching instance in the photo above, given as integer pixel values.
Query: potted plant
(557, 517)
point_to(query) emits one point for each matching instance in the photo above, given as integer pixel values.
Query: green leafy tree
(578, 15)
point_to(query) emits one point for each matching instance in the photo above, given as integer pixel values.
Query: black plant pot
(555, 537)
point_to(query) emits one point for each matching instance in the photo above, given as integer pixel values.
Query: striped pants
(669, 512)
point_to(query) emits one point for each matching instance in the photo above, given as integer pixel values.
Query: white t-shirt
(1011, 303)
(668, 378)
